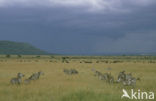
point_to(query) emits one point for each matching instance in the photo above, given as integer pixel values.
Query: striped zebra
(36, 76)
(126, 79)
(18, 79)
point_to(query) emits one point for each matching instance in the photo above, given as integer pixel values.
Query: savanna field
(55, 85)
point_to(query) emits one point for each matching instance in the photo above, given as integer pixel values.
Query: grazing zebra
(35, 76)
(70, 71)
(121, 76)
(102, 76)
(18, 79)
(99, 74)
(126, 79)
(130, 82)
(108, 77)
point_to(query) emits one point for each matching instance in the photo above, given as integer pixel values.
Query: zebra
(97, 73)
(130, 81)
(70, 71)
(121, 76)
(36, 76)
(108, 77)
(18, 79)
(102, 76)
(126, 79)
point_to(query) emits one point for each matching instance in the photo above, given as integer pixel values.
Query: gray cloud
(136, 42)
(80, 27)
(87, 5)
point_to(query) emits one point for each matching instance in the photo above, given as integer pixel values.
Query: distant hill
(10, 47)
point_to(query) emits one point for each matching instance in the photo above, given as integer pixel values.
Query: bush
(38, 56)
(8, 56)
(19, 56)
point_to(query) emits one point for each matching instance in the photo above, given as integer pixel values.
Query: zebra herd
(125, 79)
(33, 77)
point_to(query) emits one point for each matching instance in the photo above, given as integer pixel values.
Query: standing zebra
(18, 79)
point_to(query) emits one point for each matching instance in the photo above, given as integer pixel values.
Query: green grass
(57, 86)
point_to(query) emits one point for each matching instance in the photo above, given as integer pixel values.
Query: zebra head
(20, 75)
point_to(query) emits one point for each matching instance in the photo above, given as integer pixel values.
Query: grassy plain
(57, 86)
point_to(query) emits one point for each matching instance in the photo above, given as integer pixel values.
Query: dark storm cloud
(127, 27)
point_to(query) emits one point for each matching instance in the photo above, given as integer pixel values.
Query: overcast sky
(81, 26)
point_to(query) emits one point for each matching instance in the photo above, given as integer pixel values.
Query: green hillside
(9, 47)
